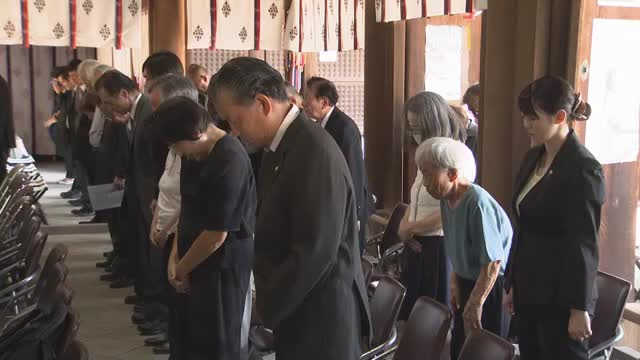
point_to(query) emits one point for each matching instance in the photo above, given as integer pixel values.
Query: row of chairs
(36, 317)
(612, 296)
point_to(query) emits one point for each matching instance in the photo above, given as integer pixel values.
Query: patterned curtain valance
(307, 26)
(89, 23)
(395, 10)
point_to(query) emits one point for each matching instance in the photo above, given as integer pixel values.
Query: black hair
(324, 88)
(471, 98)
(56, 72)
(73, 65)
(162, 63)
(551, 94)
(435, 117)
(178, 119)
(113, 81)
(246, 77)
(61, 71)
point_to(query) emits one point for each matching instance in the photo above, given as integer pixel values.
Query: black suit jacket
(141, 167)
(347, 135)
(309, 284)
(554, 256)
(113, 153)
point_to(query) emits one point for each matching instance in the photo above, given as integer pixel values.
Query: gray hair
(435, 117)
(98, 71)
(446, 153)
(85, 69)
(172, 85)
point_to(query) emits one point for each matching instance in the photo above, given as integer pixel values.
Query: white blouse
(169, 196)
(533, 180)
(423, 205)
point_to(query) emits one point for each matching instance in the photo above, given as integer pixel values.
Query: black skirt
(425, 273)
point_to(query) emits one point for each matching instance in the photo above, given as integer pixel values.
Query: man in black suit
(320, 99)
(309, 283)
(121, 100)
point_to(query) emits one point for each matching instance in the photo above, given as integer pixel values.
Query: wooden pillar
(517, 48)
(167, 28)
(384, 97)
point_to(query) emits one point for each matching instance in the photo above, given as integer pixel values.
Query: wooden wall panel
(4, 64)
(384, 97)
(21, 93)
(43, 98)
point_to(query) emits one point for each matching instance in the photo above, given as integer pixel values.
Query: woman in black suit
(559, 192)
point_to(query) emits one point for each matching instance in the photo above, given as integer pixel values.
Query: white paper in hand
(105, 197)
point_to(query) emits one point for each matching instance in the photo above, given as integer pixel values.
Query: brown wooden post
(384, 96)
(167, 28)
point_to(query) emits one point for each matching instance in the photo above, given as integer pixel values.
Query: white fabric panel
(292, 31)
(49, 22)
(332, 25)
(391, 10)
(198, 24)
(131, 23)
(435, 7)
(234, 28)
(347, 24)
(312, 19)
(96, 23)
(414, 9)
(360, 23)
(272, 16)
(10, 23)
(458, 7)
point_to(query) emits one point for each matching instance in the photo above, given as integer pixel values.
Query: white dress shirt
(97, 128)
(326, 117)
(169, 195)
(132, 113)
(291, 115)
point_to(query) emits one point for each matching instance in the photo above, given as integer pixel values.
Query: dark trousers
(68, 161)
(492, 312)
(81, 180)
(425, 273)
(151, 264)
(543, 333)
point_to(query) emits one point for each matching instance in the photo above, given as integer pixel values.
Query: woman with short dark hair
(213, 252)
(7, 133)
(559, 192)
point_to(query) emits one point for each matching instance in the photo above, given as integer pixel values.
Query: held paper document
(105, 197)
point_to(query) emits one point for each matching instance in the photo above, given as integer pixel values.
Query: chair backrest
(76, 351)
(612, 296)
(385, 306)
(425, 332)
(33, 257)
(390, 236)
(367, 269)
(69, 332)
(483, 345)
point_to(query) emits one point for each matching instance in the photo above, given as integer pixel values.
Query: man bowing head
(309, 284)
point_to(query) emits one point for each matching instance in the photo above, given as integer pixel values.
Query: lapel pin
(551, 172)
(276, 168)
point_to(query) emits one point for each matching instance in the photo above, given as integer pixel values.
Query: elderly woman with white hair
(477, 236)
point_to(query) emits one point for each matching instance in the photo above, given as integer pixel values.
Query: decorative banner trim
(118, 24)
(25, 23)
(257, 26)
(301, 24)
(72, 23)
(214, 21)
